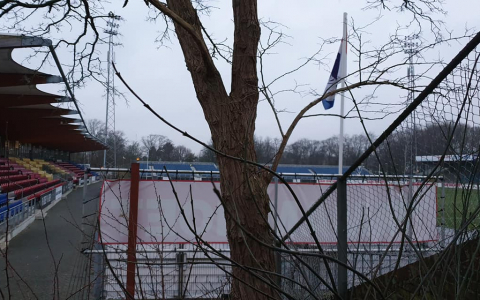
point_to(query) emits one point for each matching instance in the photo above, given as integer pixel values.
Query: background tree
(231, 115)
(207, 155)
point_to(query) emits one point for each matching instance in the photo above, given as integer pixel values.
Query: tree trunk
(231, 119)
(244, 193)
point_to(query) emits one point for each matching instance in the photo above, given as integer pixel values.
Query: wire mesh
(393, 223)
(169, 272)
(428, 204)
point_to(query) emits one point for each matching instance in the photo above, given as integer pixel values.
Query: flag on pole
(339, 72)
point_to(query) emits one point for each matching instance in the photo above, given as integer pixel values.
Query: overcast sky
(160, 76)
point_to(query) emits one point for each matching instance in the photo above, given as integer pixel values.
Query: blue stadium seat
(14, 208)
(3, 199)
(176, 167)
(170, 166)
(205, 167)
(332, 170)
(293, 169)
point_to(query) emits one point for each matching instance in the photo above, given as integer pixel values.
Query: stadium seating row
(13, 208)
(173, 166)
(210, 167)
(75, 171)
(12, 186)
(205, 167)
(13, 178)
(9, 172)
(34, 167)
(3, 199)
(34, 189)
(56, 169)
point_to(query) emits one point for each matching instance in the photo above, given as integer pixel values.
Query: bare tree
(207, 155)
(96, 128)
(182, 153)
(231, 115)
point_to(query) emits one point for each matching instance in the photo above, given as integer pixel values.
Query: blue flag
(339, 72)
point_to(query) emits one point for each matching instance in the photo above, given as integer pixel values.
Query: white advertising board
(371, 216)
(58, 192)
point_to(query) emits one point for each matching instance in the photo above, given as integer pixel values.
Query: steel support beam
(132, 231)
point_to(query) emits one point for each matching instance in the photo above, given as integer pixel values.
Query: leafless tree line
(152, 148)
(231, 118)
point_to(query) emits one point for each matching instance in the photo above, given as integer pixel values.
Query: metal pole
(409, 218)
(180, 261)
(110, 110)
(132, 231)
(275, 203)
(442, 207)
(278, 256)
(108, 98)
(85, 178)
(113, 112)
(342, 99)
(342, 279)
(98, 270)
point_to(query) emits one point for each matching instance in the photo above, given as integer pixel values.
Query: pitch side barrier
(385, 198)
(317, 176)
(163, 220)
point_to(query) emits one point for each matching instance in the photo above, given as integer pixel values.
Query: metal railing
(366, 261)
(173, 174)
(167, 272)
(173, 272)
(14, 216)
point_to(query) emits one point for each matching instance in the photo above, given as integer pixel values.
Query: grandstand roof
(29, 115)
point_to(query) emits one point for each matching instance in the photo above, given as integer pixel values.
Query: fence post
(132, 231)
(342, 236)
(275, 203)
(278, 256)
(409, 229)
(180, 262)
(442, 208)
(98, 271)
(84, 199)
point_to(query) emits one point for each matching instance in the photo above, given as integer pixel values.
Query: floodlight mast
(110, 155)
(410, 47)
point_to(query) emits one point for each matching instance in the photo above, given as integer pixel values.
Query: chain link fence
(425, 203)
(357, 232)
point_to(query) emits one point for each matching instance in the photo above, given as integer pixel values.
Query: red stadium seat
(9, 172)
(12, 186)
(35, 189)
(13, 178)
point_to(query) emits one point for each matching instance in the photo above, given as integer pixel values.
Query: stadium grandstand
(37, 136)
(206, 171)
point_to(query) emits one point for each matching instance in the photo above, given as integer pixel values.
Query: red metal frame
(291, 183)
(38, 194)
(132, 231)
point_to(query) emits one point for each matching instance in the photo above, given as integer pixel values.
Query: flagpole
(342, 100)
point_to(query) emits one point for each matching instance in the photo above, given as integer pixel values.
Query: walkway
(49, 244)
